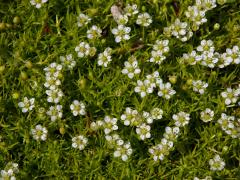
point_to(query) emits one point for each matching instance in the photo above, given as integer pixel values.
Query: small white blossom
(114, 140)
(27, 104)
(79, 142)
(233, 54)
(230, 96)
(181, 119)
(171, 133)
(38, 3)
(122, 19)
(52, 82)
(165, 90)
(105, 57)
(156, 113)
(39, 133)
(121, 33)
(54, 96)
(142, 88)
(191, 58)
(131, 67)
(143, 131)
(199, 86)
(83, 20)
(55, 112)
(94, 32)
(110, 124)
(96, 125)
(131, 117)
(224, 60)
(123, 151)
(83, 49)
(210, 59)
(78, 108)
(160, 49)
(68, 61)
(206, 4)
(196, 15)
(207, 115)
(53, 70)
(131, 10)
(9, 172)
(217, 163)
(206, 46)
(144, 19)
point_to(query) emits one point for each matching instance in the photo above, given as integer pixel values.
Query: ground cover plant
(98, 89)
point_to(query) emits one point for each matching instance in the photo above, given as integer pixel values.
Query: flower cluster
(27, 104)
(180, 30)
(39, 133)
(9, 172)
(159, 52)
(131, 67)
(217, 163)
(230, 125)
(53, 74)
(231, 96)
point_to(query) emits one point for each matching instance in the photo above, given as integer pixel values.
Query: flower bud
(172, 79)
(216, 26)
(15, 95)
(23, 75)
(2, 26)
(28, 64)
(62, 130)
(16, 20)
(82, 83)
(2, 68)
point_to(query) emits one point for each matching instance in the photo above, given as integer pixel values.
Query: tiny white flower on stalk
(148, 118)
(191, 58)
(110, 124)
(131, 10)
(180, 30)
(121, 33)
(165, 90)
(142, 88)
(96, 125)
(171, 133)
(224, 60)
(143, 131)
(114, 140)
(217, 163)
(144, 19)
(195, 15)
(78, 108)
(54, 96)
(233, 54)
(206, 46)
(94, 32)
(152, 80)
(38, 3)
(199, 86)
(39, 133)
(181, 119)
(230, 96)
(207, 115)
(123, 151)
(160, 49)
(52, 82)
(122, 19)
(83, 49)
(9, 172)
(68, 61)
(131, 67)
(131, 117)
(156, 113)
(105, 57)
(83, 20)
(206, 4)
(79, 142)
(210, 59)
(55, 112)
(27, 104)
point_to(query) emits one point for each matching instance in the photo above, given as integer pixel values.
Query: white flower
(38, 3)
(191, 58)
(110, 124)
(105, 57)
(121, 33)
(94, 32)
(206, 46)
(144, 19)
(165, 90)
(210, 59)
(131, 67)
(27, 104)
(79, 142)
(152, 80)
(233, 54)
(131, 10)
(181, 119)
(143, 131)
(157, 113)
(122, 19)
(68, 61)
(160, 49)
(114, 140)
(230, 96)
(55, 112)
(83, 49)
(8, 173)
(83, 20)
(141, 88)
(148, 118)
(171, 133)
(96, 125)
(39, 133)
(217, 163)
(196, 15)
(131, 117)
(207, 115)
(206, 4)
(224, 60)
(54, 96)
(78, 108)
(199, 86)
(123, 151)
(52, 82)
(53, 70)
